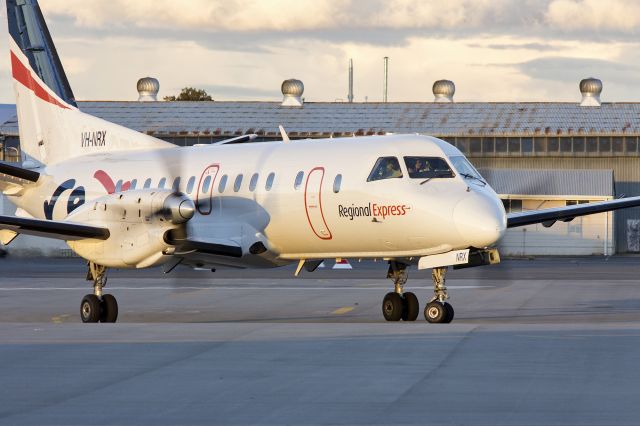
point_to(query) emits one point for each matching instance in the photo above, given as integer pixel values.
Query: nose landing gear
(438, 310)
(97, 307)
(399, 305)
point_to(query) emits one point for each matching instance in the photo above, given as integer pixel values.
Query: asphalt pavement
(544, 341)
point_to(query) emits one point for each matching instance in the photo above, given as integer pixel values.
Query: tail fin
(51, 127)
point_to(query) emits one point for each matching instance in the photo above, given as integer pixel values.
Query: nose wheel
(98, 307)
(438, 313)
(438, 310)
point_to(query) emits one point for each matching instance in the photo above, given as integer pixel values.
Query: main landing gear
(399, 305)
(403, 305)
(98, 307)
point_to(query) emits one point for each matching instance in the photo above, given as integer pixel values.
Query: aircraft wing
(11, 225)
(550, 216)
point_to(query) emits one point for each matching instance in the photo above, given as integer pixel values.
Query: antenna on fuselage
(283, 133)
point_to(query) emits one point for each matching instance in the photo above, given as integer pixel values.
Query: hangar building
(535, 154)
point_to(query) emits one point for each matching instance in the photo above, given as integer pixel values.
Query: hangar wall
(626, 173)
(583, 236)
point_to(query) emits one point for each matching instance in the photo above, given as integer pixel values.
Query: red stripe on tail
(23, 75)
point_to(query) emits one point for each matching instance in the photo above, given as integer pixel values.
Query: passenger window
(237, 183)
(192, 181)
(385, 168)
(147, 184)
(206, 184)
(176, 184)
(134, 183)
(298, 181)
(427, 167)
(162, 182)
(336, 183)
(253, 183)
(223, 183)
(269, 183)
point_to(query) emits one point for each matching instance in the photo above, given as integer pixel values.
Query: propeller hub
(178, 208)
(187, 209)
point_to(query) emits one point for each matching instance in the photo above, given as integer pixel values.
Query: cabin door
(204, 195)
(313, 203)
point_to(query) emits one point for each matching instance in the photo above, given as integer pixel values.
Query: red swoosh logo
(105, 180)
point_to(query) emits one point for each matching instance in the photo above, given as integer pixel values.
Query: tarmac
(533, 342)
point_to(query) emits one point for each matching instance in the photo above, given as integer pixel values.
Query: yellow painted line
(342, 310)
(59, 319)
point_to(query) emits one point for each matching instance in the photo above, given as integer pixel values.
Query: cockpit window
(385, 168)
(464, 168)
(427, 167)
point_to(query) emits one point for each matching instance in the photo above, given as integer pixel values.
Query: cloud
(565, 69)
(539, 47)
(620, 16)
(295, 15)
(206, 15)
(244, 49)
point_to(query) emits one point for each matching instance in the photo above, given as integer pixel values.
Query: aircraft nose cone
(480, 219)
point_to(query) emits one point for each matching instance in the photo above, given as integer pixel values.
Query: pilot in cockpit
(392, 169)
(419, 166)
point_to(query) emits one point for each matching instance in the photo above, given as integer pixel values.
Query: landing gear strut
(399, 305)
(97, 307)
(438, 310)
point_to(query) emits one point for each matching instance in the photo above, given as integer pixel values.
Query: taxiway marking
(266, 287)
(343, 310)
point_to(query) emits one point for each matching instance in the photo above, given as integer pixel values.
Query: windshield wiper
(469, 176)
(437, 175)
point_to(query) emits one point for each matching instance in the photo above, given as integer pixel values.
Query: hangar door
(587, 235)
(525, 189)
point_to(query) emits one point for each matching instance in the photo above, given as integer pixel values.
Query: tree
(190, 94)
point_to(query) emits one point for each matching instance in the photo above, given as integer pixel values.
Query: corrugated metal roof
(551, 182)
(316, 119)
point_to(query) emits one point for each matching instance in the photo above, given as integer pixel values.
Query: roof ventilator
(148, 88)
(443, 90)
(292, 91)
(590, 89)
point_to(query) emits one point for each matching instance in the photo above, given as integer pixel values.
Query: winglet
(283, 133)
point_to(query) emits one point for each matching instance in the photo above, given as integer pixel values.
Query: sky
(493, 50)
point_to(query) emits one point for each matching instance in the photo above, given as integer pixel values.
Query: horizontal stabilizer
(548, 216)
(15, 172)
(59, 230)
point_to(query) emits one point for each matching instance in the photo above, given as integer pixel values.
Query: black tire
(450, 313)
(410, 307)
(392, 307)
(435, 312)
(109, 311)
(90, 308)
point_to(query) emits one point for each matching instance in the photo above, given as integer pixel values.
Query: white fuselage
(314, 219)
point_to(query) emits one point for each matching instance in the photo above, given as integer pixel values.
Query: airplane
(123, 199)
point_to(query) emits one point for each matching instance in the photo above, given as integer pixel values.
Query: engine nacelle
(137, 221)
